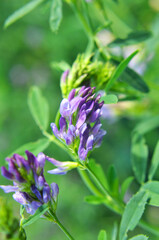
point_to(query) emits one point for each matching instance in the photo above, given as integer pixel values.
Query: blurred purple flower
(29, 184)
(80, 121)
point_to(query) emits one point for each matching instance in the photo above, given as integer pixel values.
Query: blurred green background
(27, 49)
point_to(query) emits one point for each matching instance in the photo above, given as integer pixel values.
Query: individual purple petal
(64, 76)
(40, 182)
(94, 115)
(81, 90)
(54, 129)
(82, 153)
(21, 162)
(9, 188)
(7, 174)
(55, 191)
(20, 197)
(89, 144)
(41, 160)
(63, 124)
(54, 161)
(99, 138)
(37, 193)
(71, 94)
(65, 108)
(89, 106)
(81, 119)
(58, 171)
(96, 127)
(46, 194)
(31, 159)
(29, 210)
(35, 205)
(69, 135)
(75, 103)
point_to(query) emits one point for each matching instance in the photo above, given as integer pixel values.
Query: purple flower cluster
(29, 184)
(79, 123)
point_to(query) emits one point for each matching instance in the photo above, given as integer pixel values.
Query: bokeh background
(27, 49)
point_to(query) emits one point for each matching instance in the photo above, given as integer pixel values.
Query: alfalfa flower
(29, 185)
(62, 167)
(80, 125)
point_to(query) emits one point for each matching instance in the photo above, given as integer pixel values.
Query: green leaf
(139, 237)
(147, 125)
(102, 235)
(132, 38)
(34, 147)
(61, 66)
(39, 108)
(125, 185)
(95, 200)
(115, 232)
(132, 78)
(132, 213)
(98, 171)
(118, 26)
(113, 181)
(118, 71)
(110, 99)
(139, 156)
(154, 162)
(152, 188)
(55, 15)
(22, 12)
(41, 210)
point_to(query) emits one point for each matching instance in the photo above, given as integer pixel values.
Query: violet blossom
(29, 184)
(80, 125)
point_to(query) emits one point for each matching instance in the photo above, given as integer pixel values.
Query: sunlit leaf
(132, 213)
(34, 147)
(109, 99)
(95, 200)
(102, 235)
(55, 15)
(119, 70)
(139, 156)
(22, 12)
(154, 162)
(41, 210)
(132, 38)
(39, 108)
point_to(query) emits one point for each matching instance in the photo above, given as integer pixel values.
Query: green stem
(56, 220)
